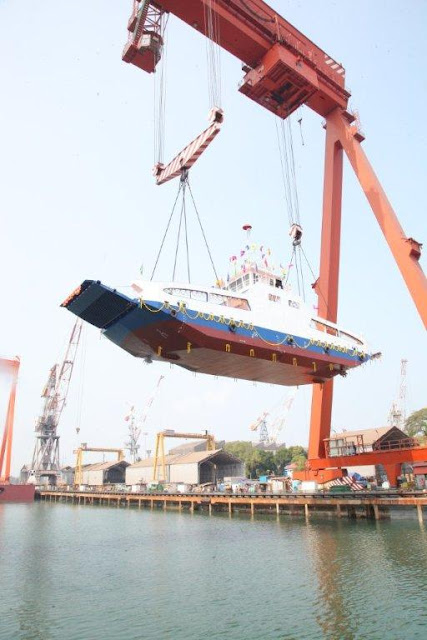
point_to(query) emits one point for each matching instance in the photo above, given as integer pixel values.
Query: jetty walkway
(372, 505)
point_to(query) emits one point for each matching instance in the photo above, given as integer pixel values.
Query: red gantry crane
(284, 70)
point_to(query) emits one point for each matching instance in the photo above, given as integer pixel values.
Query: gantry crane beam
(284, 69)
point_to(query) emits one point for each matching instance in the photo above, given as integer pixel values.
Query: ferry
(252, 328)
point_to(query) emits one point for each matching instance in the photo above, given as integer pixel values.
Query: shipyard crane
(45, 465)
(283, 70)
(397, 415)
(269, 434)
(170, 433)
(78, 472)
(136, 424)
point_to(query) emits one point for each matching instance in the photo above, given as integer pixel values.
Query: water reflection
(362, 570)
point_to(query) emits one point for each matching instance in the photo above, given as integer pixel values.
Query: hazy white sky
(78, 201)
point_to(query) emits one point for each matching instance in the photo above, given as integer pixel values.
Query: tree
(297, 451)
(416, 424)
(300, 461)
(282, 458)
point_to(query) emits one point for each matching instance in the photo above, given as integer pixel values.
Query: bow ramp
(99, 305)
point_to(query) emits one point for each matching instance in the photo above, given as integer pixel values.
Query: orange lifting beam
(11, 367)
(192, 152)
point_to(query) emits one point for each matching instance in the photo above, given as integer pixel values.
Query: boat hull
(17, 493)
(207, 343)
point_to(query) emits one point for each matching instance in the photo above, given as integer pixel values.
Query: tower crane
(136, 424)
(45, 466)
(269, 434)
(397, 415)
(283, 71)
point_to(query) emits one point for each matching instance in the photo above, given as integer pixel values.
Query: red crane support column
(406, 251)
(327, 285)
(6, 446)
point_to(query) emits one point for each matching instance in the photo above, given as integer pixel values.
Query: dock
(369, 505)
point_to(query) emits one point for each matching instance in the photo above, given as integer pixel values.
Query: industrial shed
(380, 439)
(197, 467)
(112, 472)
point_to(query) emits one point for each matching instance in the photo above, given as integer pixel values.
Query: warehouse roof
(190, 458)
(194, 445)
(98, 466)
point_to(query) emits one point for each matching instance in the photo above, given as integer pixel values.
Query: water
(102, 573)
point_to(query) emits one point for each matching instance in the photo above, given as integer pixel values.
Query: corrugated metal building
(196, 467)
(193, 445)
(112, 472)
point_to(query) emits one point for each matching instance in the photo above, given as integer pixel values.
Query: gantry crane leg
(343, 135)
(406, 251)
(326, 286)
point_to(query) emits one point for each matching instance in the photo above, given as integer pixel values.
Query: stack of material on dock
(346, 482)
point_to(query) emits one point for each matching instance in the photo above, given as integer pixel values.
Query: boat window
(217, 298)
(246, 278)
(202, 296)
(317, 325)
(187, 293)
(273, 298)
(228, 301)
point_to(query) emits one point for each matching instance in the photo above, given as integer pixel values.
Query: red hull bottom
(17, 493)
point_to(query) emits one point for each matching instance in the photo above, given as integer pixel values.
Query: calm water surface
(101, 573)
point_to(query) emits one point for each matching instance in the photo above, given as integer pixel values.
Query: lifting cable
(287, 162)
(184, 184)
(160, 96)
(213, 53)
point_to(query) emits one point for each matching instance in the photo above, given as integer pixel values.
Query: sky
(78, 201)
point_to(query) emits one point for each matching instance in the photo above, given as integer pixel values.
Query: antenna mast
(397, 415)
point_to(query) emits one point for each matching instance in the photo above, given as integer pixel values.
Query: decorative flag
(266, 263)
(247, 247)
(242, 253)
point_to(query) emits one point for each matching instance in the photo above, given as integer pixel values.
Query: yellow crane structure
(78, 473)
(169, 433)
